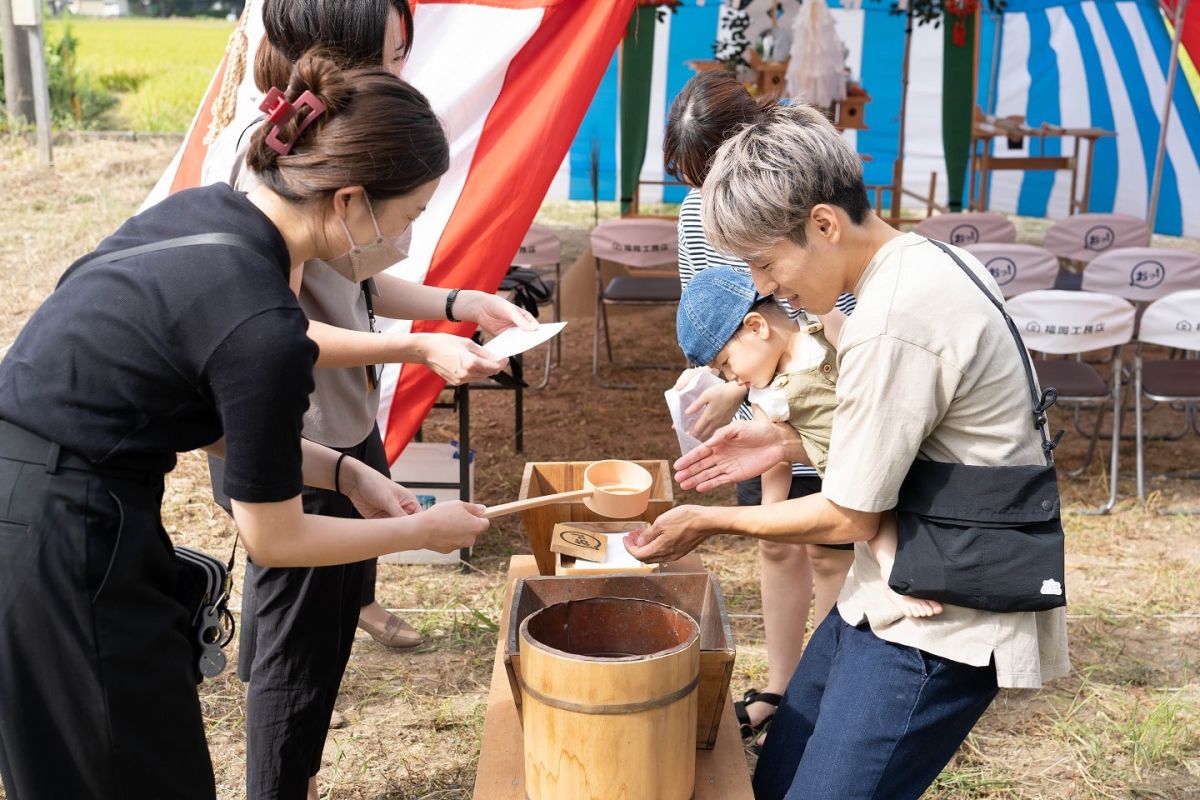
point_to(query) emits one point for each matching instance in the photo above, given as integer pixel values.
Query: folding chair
(1173, 322)
(1142, 274)
(1018, 268)
(541, 248)
(640, 244)
(1057, 322)
(1084, 236)
(968, 228)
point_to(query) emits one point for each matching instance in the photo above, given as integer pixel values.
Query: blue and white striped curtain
(1077, 63)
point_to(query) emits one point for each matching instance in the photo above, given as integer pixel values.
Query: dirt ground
(1124, 724)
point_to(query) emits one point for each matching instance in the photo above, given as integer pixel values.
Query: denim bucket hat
(711, 310)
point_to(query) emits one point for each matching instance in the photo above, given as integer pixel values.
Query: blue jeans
(865, 718)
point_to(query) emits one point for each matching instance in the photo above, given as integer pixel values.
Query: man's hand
(673, 535)
(739, 451)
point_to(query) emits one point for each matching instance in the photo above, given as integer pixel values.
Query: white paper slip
(514, 340)
(617, 557)
(678, 401)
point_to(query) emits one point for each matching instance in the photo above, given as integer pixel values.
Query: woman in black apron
(193, 339)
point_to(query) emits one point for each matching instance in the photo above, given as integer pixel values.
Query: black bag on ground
(988, 538)
(529, 287)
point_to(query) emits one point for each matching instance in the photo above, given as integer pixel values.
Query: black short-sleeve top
(130, 362)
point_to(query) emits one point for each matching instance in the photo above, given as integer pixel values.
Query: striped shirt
(695, 254)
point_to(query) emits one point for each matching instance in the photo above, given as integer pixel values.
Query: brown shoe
(337, 720)
(396, 633)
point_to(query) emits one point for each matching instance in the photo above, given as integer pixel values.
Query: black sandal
(749, 731)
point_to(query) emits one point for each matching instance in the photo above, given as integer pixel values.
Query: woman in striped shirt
(710, 108)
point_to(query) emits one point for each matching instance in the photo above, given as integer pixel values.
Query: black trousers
(97, 690)
(298, 626)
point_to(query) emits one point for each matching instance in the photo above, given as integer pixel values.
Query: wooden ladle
(616, 489)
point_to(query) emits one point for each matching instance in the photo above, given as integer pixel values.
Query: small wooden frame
(579, 541)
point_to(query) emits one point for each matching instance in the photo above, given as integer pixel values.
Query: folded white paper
(678, 401)
(514, 340)
(616, 556)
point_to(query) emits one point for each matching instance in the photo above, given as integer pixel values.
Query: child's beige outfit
(806, 398)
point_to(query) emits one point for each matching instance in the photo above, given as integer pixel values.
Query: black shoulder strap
(226, 239)
(1041, 402)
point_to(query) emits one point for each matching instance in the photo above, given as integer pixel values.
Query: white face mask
(370, 259)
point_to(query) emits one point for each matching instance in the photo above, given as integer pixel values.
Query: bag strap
(226, 239)
(1047, 398)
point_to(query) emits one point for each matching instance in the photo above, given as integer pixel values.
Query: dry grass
(1124, 724)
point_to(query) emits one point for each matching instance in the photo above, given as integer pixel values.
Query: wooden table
(985, 128)
(721, 773)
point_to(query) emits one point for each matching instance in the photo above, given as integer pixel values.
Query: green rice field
(158, 68)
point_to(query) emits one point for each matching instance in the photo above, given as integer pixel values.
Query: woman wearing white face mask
(141, 354)
(298, 624)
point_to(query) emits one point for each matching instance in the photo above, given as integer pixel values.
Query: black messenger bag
(988, 538)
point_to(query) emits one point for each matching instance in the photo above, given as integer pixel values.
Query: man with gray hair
(927, 372)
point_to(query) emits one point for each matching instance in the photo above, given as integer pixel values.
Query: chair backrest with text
(967, 229)
(1017, 268)
(1085, 236)
(540, 247)
(1064, 322)
(1143, 274)
(1173, 321)
(638, 242)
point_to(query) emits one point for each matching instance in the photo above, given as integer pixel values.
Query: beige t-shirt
(928, 367)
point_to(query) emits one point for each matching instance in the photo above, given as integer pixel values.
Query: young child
(790, 370)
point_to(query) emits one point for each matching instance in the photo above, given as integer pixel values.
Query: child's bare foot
(914, 606)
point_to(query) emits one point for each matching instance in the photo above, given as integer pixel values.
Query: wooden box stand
(721, 773)
(552, 477)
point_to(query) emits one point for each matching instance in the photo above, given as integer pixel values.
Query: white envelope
(514, 340)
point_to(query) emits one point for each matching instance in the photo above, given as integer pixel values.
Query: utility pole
(18, 82)
(27, 17)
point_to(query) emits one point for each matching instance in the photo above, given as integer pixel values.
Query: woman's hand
(673, 535)
(373, 494)
(457, 359)
(452, 525)
(716, 406)
(493, 313)
(739, 451)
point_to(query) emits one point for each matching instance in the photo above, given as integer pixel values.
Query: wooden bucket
(609, 700)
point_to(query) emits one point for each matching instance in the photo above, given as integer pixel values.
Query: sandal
(748, 730)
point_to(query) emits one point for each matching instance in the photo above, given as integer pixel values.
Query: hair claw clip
(280, 111)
